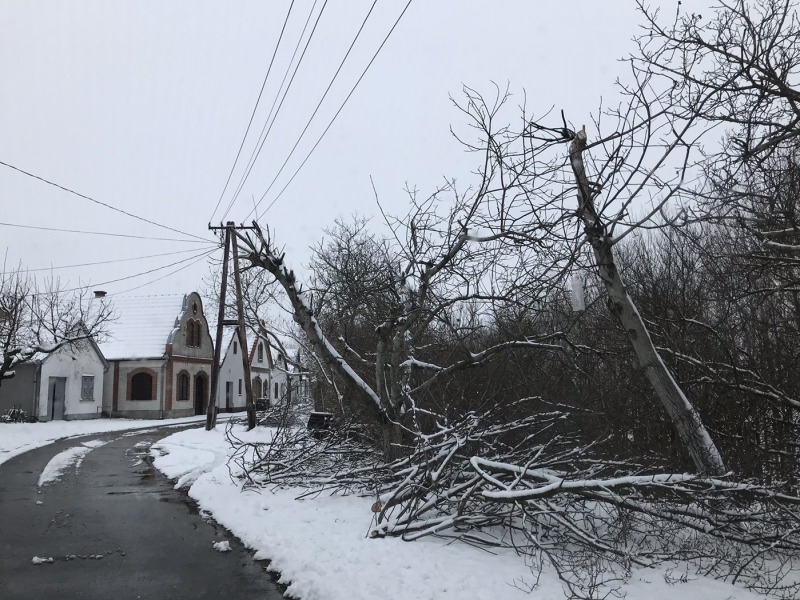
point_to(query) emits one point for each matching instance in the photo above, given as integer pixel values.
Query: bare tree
(39, 319)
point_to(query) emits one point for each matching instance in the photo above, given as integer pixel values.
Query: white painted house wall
(73, 364)
(231, 371)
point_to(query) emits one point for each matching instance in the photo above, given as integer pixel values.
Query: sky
(143, 105)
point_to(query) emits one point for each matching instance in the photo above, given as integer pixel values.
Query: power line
(264, 136)
(164, 276)
(101, 262)
(196, 257)
(114, 208)
(121, 235)
(311, 118)
(252, 116)
(334, 117)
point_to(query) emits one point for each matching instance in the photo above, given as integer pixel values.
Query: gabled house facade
(64, 385)
(160, 354)
(230, 384)
(270, 375)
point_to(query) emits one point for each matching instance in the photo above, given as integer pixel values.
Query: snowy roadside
(16, 438)
(320, 547)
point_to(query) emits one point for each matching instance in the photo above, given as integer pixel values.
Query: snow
(321, 548)
(222, 546)
(36, 560)
(61, 462)
(142, 326)
(16, 438)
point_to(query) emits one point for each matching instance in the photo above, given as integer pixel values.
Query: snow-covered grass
(321, 548)
(16, 438)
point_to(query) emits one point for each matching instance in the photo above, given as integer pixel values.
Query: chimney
(99, 294)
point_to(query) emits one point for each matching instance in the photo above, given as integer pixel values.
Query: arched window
(190, 333)
(198, 334)
(142, 386)
(183, 386)
(260, 352)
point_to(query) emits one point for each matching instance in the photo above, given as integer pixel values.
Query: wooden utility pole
(230, 240)
(211, 413)
(248, 384)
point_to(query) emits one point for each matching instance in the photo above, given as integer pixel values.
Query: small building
(160, 354)
(269, 370)
(230, 387)
(63, 385)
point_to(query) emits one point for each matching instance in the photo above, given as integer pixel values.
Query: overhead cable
(332, 120)
(253, 114)
(121, 235)
(264, 135)
(106, 205)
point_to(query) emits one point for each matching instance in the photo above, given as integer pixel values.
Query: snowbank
(320, 545)
(16, 438)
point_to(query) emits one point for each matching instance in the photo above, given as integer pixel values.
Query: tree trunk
(685, 419)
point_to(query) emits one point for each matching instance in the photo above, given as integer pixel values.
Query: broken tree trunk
(685, 419)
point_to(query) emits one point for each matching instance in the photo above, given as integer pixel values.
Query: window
(260, 352)
(183, 387)
(194, 333)
(240, 387)
(276, 390)
(87, 388)
(235, 346)
(190, 333)
(142, 386)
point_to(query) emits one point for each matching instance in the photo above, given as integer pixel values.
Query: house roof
(142, 326)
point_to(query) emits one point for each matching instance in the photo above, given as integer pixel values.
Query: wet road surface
(130, 533)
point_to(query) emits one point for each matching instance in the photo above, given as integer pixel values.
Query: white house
(70, 383)
(269, 371)
(64, 385)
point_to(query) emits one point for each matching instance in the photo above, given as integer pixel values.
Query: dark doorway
(56, 388)
(229, 396)
(200, 393)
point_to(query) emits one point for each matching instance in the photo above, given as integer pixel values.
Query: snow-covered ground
(320, 544)
(16, 438)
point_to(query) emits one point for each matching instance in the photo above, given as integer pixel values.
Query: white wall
(73, 364)
(231, 370)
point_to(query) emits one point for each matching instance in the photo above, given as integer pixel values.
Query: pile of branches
(529, 483)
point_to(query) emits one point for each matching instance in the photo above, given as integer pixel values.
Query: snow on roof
(142, 326)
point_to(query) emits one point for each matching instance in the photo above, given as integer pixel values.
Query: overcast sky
(143, 105)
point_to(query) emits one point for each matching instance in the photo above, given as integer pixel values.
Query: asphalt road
(148, 540)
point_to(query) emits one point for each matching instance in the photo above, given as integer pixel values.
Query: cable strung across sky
(104, 204)
(255, 108)
(264, 130)
(255, 208)
(105, 233)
